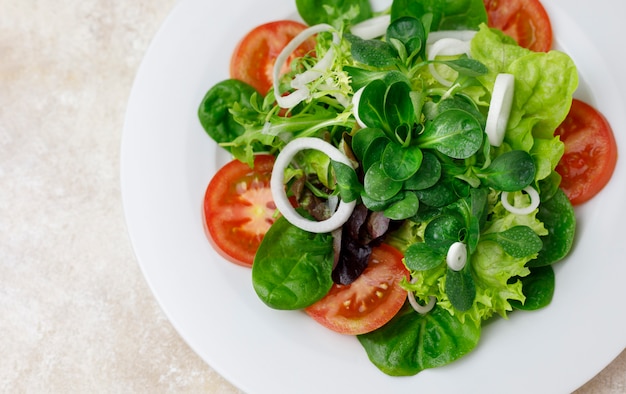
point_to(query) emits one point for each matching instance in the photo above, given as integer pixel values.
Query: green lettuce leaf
(544, 86)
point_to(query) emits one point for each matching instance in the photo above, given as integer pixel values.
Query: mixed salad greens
(446, 133)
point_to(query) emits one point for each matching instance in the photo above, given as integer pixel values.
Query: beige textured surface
(76, 314)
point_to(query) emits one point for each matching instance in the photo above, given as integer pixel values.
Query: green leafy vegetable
(292, 267)
(215, 109)
(349, 186)
(509, 172)
(558, 217)
(518, 241)
(373, 53)
(334, 12)
(538, 287)
(378, 185)
(400, 163)
(427, 175)
(411, 342)
(422, 257)
(454, 133)
(460, 288)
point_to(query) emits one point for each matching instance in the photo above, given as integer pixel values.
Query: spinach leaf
(214, 111)
(411, 343)
(333, 12)
(538, 287)
(292, 267)
(446, 15)
(558, 217)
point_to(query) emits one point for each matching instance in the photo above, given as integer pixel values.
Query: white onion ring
(344, 210)
(500, 108)
(356, 98)
(302, 93)
(463, 35)
(371, 28)
(446, 47)
(419, 308)
(534, 202)
(457, 256)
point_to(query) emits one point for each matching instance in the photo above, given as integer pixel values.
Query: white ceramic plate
(167, 161)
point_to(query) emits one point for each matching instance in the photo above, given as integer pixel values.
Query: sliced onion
(463, 35)
(446, 47)
(457, 256)
(301, 93)
(500, 108)
(419, 308)
(344, 210)
(534, 202)
(371, 28)
(356, 97)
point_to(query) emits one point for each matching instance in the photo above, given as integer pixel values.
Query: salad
(406, 175)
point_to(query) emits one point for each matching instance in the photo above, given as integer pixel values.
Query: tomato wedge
(239, 208)
(254, 57)
(590, 152)
(526, 21)
(370, 301)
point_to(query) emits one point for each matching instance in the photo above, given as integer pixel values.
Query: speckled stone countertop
(76, 313)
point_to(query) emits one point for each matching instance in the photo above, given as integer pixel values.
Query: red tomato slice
(239, 208)
(254, 57)
(526, 21)
(370, 301)
(590, 152)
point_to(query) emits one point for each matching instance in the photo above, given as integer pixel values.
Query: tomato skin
(254, 57)
(526, 21)
(590, 152)
(370, 301)
(238, 208)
